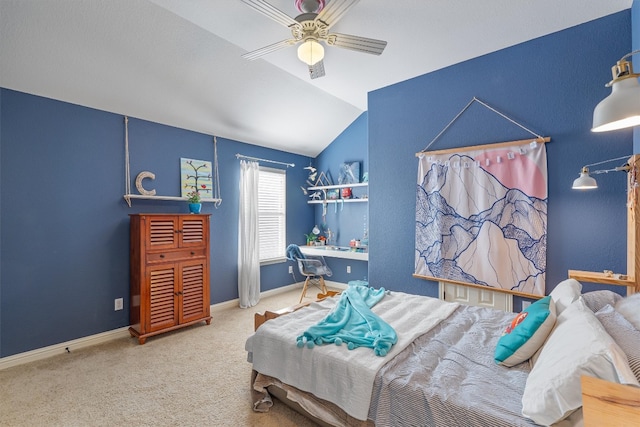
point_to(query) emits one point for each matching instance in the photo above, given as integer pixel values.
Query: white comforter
(334, 373)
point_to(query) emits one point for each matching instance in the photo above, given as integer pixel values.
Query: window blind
(272, 204)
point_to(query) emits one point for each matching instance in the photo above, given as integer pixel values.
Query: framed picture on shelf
(349, 173)
(195, 175)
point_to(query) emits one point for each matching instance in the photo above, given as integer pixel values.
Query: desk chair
(315, 269)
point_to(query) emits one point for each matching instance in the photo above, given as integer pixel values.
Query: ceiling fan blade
(271, 12)
(357, 43)
(316, 70)
(334, 11)
(268, 49)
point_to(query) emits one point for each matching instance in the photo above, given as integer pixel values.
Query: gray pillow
(597, 299)
(624, 334)
(629, 307)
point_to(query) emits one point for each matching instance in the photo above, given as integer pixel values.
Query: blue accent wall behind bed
(550, 85)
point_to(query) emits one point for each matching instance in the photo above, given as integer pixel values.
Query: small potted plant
(310, 238)
(194, 201)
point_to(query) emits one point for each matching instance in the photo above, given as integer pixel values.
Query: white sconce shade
(587, 182)
(310, 52)
(584, 181)
(621, 109)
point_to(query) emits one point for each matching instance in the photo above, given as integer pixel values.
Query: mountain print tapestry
(481, 216)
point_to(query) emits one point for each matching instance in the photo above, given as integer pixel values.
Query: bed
(442, 370)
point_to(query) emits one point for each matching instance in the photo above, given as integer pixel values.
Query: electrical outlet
(118, 304)
(291, 269)
(348, 269)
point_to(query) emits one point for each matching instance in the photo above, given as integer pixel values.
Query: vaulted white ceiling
(178, 62)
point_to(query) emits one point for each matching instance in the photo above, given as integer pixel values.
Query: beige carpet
(197, 376)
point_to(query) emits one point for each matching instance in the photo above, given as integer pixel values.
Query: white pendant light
(310, 52)
(621, 109)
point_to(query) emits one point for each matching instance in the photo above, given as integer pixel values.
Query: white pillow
(629, 307)
(577, 346)
(565, 293)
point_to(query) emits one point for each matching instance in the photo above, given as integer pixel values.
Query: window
(272, 213)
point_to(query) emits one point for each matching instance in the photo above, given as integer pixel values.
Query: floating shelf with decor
(151, 194)
(325, 199)
(128, 198)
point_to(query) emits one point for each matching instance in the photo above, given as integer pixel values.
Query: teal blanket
(352, 322)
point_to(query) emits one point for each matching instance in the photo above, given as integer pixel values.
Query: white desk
(335, 252)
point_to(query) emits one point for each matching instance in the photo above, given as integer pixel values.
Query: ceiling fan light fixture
(310, 52)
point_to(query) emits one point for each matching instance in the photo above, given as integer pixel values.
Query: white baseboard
(235, 302)
(53, 350)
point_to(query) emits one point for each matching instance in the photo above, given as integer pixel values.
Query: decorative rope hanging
(539, 137)
(127, 173)
(216, 178)
(145, 174)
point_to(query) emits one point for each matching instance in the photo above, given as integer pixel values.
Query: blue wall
(347, 220)
(65, 226)
(549, 85)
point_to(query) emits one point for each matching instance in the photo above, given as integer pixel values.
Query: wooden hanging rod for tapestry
(539, 138)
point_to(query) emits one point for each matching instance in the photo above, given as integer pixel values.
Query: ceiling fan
(312, 27)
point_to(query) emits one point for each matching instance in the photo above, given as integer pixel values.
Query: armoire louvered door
(163, 311)
(169, 272)
(193, 304)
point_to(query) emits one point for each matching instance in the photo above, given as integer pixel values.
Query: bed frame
(260, 318)
(604, 403)
(609, 404)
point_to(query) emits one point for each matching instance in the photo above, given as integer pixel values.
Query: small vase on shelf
(194, 202)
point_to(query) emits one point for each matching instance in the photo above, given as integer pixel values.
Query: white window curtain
(248, 235)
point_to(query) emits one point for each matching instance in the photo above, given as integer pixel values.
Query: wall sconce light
(621, 109)
(586, 182)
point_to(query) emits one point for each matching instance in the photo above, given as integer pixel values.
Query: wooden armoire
(169, 272)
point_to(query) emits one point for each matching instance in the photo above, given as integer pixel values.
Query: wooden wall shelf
(599, 277)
